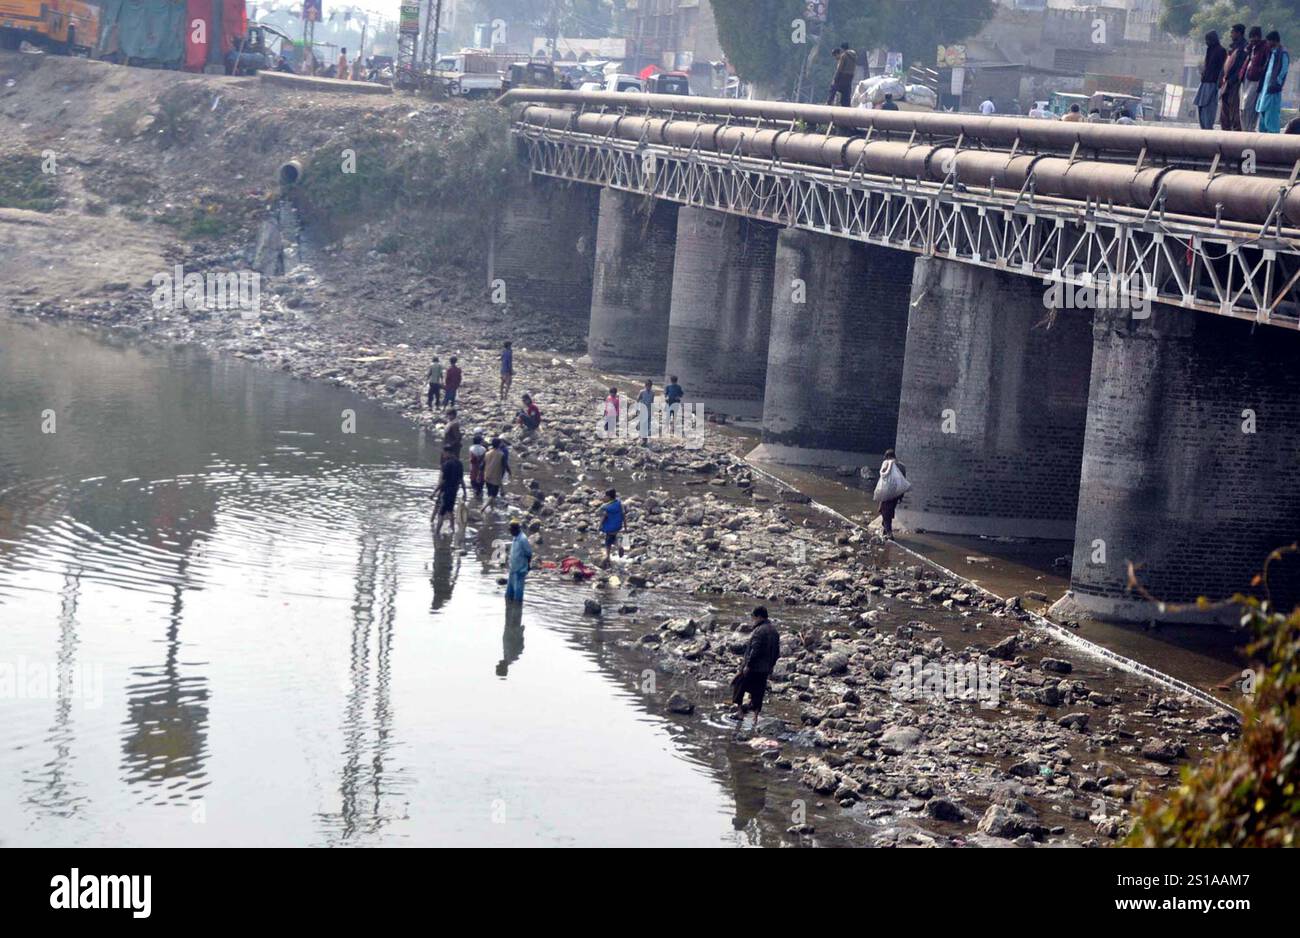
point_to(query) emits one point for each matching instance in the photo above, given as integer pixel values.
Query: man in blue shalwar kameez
(1269, 104)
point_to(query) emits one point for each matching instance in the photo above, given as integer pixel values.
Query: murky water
(223, 620)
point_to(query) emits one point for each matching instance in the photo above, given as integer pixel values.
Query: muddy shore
(908, 708)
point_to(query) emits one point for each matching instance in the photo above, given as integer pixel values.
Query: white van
(624, 83)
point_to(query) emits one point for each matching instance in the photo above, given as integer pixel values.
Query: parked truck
(471, 73)
(65, 26)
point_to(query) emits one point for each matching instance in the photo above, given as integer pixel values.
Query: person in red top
(530, 418)
(1256, 63)
(451, 383)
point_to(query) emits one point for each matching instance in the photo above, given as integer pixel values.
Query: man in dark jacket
(760, 658)
(846, 68)
(1207, 96)
(1256, 62)
(1234, 71)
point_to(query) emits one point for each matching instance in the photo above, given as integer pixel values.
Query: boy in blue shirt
(611, 522)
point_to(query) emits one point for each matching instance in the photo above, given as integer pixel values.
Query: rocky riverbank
(928, 711)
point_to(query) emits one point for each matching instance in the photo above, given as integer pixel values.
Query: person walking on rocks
(890, 489)
(761, 655)
(494, 469)
(507, 369)
(453, 382)
(434, 377)
(521, 559)
(611, 413)
(477, 461)
(645, 403)
(450, 484)
(611, 523)
(673, 395)
(452, 437)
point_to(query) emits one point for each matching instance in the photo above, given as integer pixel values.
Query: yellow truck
(65, 26)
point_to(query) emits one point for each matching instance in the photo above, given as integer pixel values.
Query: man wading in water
(760, 658)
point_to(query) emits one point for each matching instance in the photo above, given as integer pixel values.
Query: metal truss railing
(1238, 271)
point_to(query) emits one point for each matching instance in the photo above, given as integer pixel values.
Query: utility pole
(553, 28)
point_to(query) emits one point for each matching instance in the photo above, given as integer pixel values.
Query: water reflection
(166, 720)
(56, 789)
(512, 638)
(196, 525)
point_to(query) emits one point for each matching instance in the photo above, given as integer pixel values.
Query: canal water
(224, 620)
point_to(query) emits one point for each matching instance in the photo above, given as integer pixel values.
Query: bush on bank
(1247, 796)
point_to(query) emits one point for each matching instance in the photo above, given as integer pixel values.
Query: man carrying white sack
(890, 489)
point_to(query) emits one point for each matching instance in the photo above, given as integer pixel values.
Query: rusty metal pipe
(1188, 192)
(1281, 150)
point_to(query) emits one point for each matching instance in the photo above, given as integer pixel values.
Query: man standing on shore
(611, 523)
(521, 558)
(673, 395)
(434, 377)
(645, 403)
(760, 658)
(453, 382)
(507, 369)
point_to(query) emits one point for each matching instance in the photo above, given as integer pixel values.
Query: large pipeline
(1165, 143)
(1186, 192)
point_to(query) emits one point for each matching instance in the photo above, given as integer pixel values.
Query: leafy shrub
(1247, 796)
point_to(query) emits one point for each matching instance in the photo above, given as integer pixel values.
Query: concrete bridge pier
(994, 403)
(1191, 463)
(835, 355)
(630, 297)
(721, 309)
(545, 246)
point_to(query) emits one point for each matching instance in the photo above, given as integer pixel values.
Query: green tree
(763, 40)
(1197, 17)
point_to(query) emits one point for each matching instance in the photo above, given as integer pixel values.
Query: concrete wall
(993, 405)
(721, 309)
(835, 360)
(1170, 479)
(545, 248)
(631, 296)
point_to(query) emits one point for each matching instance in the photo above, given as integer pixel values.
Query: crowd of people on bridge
(1241, 84)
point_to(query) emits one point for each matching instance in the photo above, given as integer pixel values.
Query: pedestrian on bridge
(1234, 71)
(1207, 95)
(1253, 77)
(846, 68)
(1270, 97)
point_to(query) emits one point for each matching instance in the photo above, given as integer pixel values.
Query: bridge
(1073, 331)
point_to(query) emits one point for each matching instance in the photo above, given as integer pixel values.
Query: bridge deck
(1231, 269)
